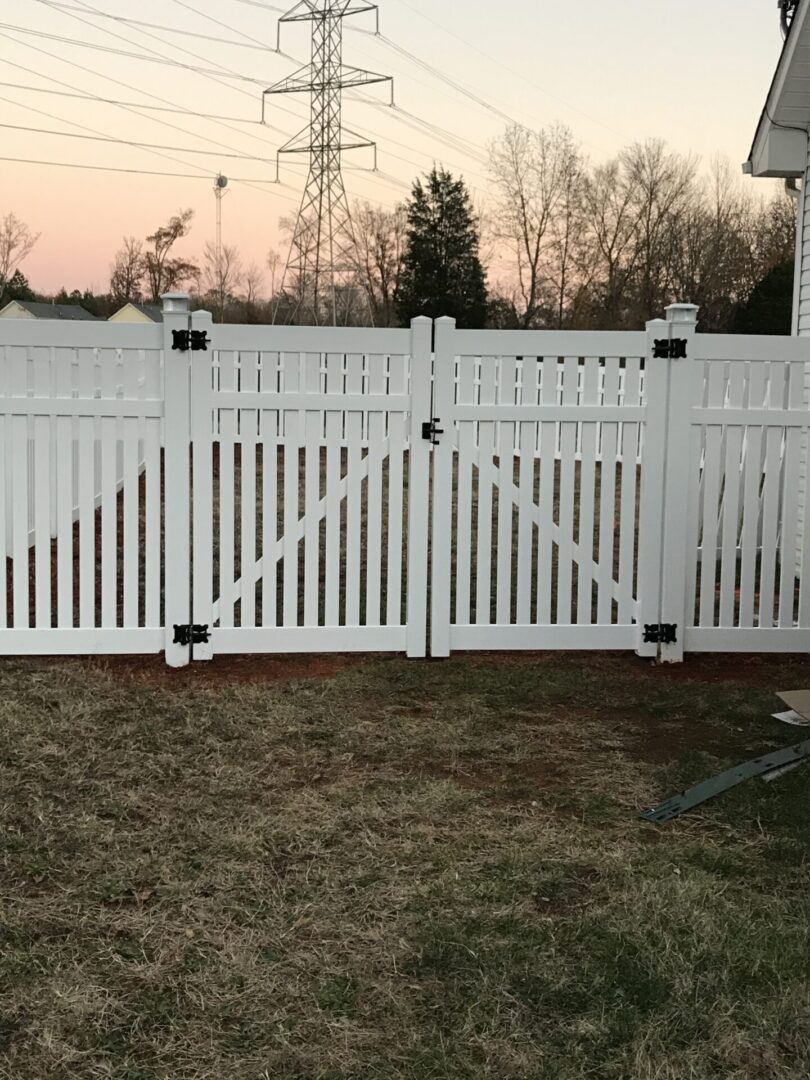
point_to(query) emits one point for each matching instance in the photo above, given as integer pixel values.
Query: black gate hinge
(661, 633)
(196, 340)
(666, 349)
(191, 634)
(430, 431)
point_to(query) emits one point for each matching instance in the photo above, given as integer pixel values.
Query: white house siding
(801, 327)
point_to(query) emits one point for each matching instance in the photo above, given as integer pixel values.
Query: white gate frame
(192, 402)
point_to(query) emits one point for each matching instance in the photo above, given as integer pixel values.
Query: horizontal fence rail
(291, 489)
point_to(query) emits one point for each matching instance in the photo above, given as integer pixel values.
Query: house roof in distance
(153, 312)
(73, 312)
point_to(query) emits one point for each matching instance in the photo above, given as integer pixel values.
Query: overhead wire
(89, 8)
(134, 108)
(139, 172)
(183, 31)
(506, 67)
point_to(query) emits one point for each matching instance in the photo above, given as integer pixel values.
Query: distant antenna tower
(323, 255)
(220, 191)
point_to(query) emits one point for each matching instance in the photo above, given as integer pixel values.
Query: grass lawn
(335, 869)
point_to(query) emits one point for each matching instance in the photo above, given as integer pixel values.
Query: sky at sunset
(693, 72)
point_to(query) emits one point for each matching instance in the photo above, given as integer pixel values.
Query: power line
(121, 142)
(135, 104)
(447, 137)
(506, 67)
(166, 29)
(63, 40)
(142, 172)
(89, 8)
(128, 108)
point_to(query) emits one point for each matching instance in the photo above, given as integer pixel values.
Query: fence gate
(536, 489)
(309, 494)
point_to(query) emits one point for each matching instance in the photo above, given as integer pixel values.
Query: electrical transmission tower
(322, 266)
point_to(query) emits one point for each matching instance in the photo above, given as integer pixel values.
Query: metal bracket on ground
(708, 789)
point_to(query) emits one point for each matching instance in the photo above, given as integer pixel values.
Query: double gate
(200, 489)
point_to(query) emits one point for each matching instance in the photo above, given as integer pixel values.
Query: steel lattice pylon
(322, 263)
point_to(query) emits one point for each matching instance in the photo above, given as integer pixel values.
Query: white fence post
(418, 488)
(177, 489)
(442, 518)
(665, 483)
(202, 464)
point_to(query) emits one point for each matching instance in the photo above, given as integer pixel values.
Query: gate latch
(191, 634)
(430, 431)
(661, 633)
(196, 340)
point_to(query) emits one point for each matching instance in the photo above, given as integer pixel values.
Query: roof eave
(780, 150)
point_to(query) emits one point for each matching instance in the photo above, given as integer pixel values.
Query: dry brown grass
(383, 869)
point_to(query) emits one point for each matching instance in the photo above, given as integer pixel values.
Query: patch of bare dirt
(570, 895)
(474, 775)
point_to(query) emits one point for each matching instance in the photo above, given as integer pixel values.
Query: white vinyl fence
(292, 489)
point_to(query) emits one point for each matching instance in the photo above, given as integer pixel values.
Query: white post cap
(682, 313)
(175, 302)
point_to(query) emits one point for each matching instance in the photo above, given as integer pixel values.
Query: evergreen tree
(769, 308)
(17, 288)
(441, 270)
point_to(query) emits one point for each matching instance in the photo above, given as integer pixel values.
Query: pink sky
(614, 72)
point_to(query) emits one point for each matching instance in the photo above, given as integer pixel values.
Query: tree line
(563, 244)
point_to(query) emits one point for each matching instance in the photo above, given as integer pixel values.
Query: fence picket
(354, 497)
(568, 446)
(486, 480)
(545, 543)
(629, 490)
(41, 447)
(87, 486)
(712, 479)
(770, 501)
(312, 491)
(731, 499)
(269, 457)
(607, 497)
(376, 440)
(587, 494)
(132, 374)
(789, 512)
(397, 381)
(334, 454)
(5, 499)
(248, 436)
(19, 452)
(752, 478)
(228, 381)
(153, 472)
(526, 472)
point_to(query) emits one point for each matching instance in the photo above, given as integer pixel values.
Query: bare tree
(164, 273)
(380, 238)
(532, 173)
(16, 244)
(274, 266)
(662, 186)
(127, 272)
(253, 283)
(608, 248)
(221, 275)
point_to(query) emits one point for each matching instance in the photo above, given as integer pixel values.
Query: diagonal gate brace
(694, 796)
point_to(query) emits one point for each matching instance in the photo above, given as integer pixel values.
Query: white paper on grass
(791, 717)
